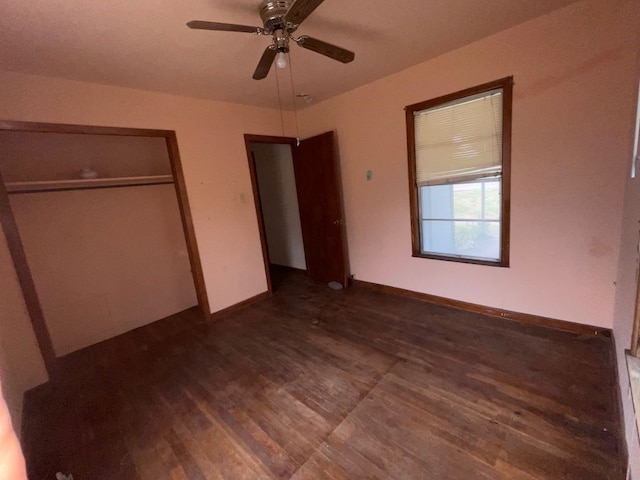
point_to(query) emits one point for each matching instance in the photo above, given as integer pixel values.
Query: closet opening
(98, 226)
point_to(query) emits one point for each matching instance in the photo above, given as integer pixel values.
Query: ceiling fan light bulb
(281, 60)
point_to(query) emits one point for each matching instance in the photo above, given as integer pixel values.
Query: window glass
(462, 219)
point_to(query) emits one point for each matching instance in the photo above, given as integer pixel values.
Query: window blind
(461, 141)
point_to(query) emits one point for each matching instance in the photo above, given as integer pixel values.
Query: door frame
(16, 248)
(248, 140)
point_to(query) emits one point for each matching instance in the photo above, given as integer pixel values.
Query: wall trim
(491, 311)
(239, 306)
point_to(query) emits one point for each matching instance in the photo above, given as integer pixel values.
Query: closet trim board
(17, 126)
(25, 279)
(187, 223)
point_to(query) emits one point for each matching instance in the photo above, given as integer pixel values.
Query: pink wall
(104, 261)
(210, 138)
(574, 76)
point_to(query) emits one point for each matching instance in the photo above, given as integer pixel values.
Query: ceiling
(145, 44)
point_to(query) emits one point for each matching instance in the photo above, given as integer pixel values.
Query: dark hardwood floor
(320, 384)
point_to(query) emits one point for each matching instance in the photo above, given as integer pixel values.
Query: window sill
(473, 261)
(633, 366)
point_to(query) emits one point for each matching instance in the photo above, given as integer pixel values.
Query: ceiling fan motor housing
(272, 13)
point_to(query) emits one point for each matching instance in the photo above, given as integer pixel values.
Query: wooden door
(321, 214)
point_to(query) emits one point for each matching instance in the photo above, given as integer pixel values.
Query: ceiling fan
(281, 18)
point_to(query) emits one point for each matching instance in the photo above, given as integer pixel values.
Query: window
(459, 150)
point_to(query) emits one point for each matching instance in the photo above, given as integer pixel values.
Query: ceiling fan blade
(224, 27)
(326, 49)
(264, 65)
(300, 10)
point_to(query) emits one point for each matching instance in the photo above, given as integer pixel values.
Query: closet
(101, 228)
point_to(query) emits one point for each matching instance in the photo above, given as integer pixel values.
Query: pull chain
(293, 96)
(280, 102)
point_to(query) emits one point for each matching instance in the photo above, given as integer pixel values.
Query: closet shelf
(82, 184)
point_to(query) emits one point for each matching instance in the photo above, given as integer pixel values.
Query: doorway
(278, 209)
(298, 201)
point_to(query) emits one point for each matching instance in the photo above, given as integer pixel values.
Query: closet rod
(89, 184)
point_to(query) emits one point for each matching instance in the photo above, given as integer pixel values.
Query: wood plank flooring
(320, 384)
